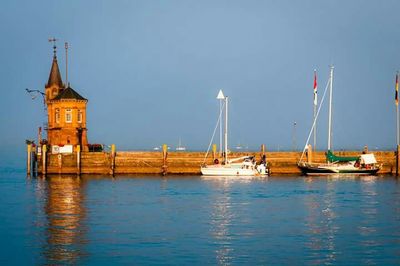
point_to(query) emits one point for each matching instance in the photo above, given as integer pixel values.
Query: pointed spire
(55, 76)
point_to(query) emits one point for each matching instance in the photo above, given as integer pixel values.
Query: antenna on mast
(66, 64)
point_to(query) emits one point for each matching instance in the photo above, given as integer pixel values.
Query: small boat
(180, 147)
(239, 147)
(242, 166)
(364, 164)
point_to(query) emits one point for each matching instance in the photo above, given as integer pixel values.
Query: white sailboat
(243, 166)
(180, 147)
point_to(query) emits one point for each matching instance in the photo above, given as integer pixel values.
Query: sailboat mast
(315, 129)
(226, 130)
(330, 110)
(220, 127)
(397, 108)
(315, 103)
(220, 97)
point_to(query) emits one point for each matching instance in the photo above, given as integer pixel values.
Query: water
(98, 220)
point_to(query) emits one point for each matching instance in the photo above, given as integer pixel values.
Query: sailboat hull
(227, 171)
(308, 169)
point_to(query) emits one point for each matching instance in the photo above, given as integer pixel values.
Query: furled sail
(330, 157)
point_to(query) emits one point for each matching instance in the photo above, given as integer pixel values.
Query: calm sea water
(95, 220)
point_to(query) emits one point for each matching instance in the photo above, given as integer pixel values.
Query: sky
(151, 70)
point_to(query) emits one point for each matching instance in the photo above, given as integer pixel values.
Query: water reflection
(330, 224)
(367, 225)
(65, 213)
(224, 215)
(321, 224)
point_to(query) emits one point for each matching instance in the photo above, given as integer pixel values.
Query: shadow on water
(64, 209)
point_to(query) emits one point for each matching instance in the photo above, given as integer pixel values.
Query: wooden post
(29, 158)
(309, 153)
(263, 159)
(34, 161)
(165, 154)
(78, 160)
(59, 156)
(214, 151)
(397, 160)
(113, 159)
(262, 151)
(44, 158)
(39, 135)
(365, 150)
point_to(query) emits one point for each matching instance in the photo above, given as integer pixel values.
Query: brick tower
(66, 111)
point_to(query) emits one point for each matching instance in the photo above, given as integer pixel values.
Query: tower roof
(55, 76)
(69, 93)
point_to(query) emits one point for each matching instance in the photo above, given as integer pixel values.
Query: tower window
(68, 115)
(80, 116)
(57, 115)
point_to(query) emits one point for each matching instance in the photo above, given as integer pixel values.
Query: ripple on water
(191, 220)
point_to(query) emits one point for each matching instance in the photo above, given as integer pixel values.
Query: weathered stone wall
(148, 162)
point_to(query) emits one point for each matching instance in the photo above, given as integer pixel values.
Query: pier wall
(149, 162)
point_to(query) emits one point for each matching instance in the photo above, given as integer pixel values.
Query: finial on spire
(53, 40)
(66, 63)
(55, 77)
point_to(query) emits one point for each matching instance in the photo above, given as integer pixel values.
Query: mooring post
(59, 163)
(262, 151)
(113, 159)
(397, 159)
(165, 154)
(309, 153)
(78, 160)
(34, 160)
(44, 157)
(29, 158)
(214, 151)
(365, 150)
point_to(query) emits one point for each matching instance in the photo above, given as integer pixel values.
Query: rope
(215, 129)
(315, 120)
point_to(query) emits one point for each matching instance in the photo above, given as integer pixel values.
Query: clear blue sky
(152, 69)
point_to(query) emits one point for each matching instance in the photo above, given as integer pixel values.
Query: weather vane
(54, 40)
(66, 63)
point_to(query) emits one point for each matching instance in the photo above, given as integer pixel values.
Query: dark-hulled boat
(365, 164)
